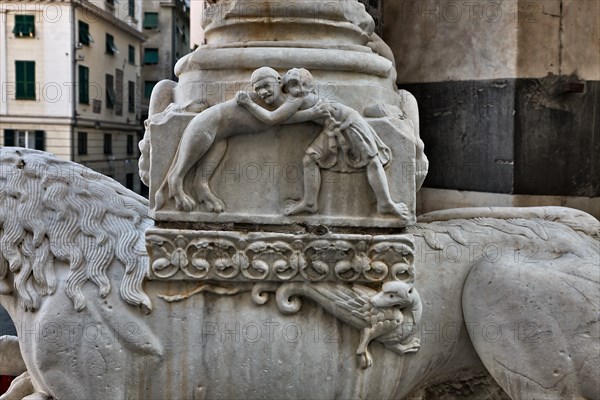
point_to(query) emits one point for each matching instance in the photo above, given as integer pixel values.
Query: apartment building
(166, 24)
(70, 74)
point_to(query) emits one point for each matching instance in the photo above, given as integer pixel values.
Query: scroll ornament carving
(177, 256)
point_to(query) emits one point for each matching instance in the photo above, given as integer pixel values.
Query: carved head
(267, 84)
(298, 82)
(393, 294)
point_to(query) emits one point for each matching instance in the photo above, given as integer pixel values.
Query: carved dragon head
(393, 294)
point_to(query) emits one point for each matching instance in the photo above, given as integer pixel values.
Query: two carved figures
(346, 143)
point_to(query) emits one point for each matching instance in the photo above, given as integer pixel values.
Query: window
(119, 88)
(131, 96)
(129, 144)
(82, 141)
(129, 181)
(84, 85)
(9, 137)
(111, 48)
(107, 143)
(84, 34)
(24, 26)
(28, 139)
(148, 86)
(131, 53)
(25, 77)
(131, 8)
(110, 92)
(150, 20)
(150, 56)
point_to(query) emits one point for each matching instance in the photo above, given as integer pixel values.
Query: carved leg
(401, 348)
(204, 172)
(365, 359)
(182, 200)
(379, 184)
(312, 185)
(195, 142)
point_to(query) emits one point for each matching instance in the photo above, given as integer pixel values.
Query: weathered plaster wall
(560, 37)
(507, 92)
(449, 40)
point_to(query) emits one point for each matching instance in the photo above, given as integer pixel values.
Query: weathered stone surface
(225, 297)
(215, 169)
(174, 339)
(277, 257)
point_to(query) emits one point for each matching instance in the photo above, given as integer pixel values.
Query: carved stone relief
(366, 281)
(342, 149)
(234, 256)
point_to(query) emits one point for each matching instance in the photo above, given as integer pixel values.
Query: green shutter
(131, 96)
(110, 92)
(148, 87)
(84, 85)
(24, 26)
(150, 56)
(9, 137)
(84, 34)
(111, 48)
(131, 55)
(25, 77)
(150, 20)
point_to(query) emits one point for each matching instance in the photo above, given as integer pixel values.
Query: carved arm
(281, 114)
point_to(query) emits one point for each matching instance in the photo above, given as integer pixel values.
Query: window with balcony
(25, 78)
(24, 26)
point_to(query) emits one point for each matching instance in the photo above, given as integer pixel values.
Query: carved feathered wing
(350, 304)
(55, 210)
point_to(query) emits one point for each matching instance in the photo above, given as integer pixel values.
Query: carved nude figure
(346, 144)
(204, 138)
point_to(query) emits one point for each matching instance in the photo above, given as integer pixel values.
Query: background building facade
(166, 24)
(71, 82)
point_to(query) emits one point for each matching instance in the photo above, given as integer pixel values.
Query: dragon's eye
(391, 296)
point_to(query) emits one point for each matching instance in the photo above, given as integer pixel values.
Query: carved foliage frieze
(234, 256)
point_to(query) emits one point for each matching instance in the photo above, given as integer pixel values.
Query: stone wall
(507, 92)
